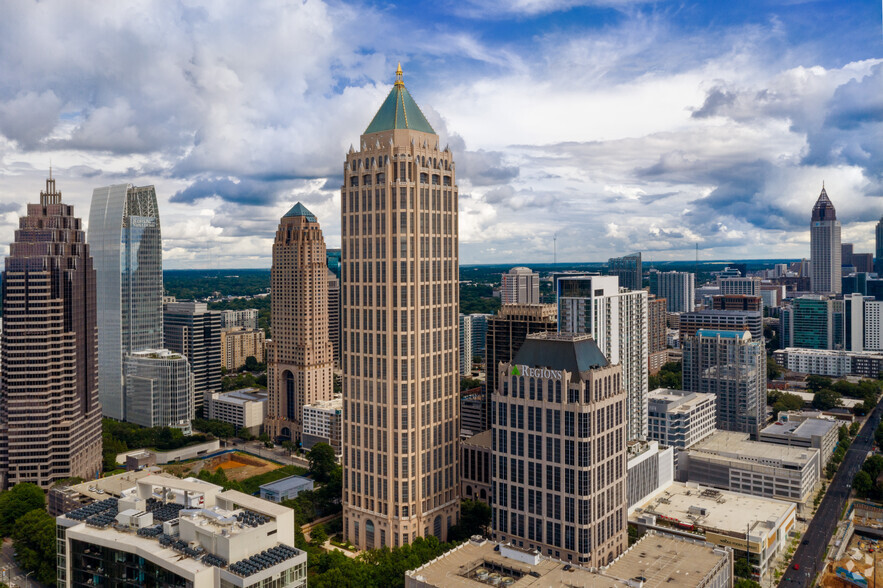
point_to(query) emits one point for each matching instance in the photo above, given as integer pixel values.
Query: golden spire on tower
(399, 80)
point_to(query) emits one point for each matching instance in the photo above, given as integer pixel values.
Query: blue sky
(618, 125)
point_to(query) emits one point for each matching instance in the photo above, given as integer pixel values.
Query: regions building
(126, 242)
(730, 461)
(194, 331)
(680, 419)
(821, 434)
(159, 389)
(727, 519)
(520, 286)
(300, 359)
(237, 345)
(506, 331)
(399, 211)
(824, 238)
(322, 423)
(722, 320)
(244, 409)
(649, 469)
(246, 319)
(655, 561)
(555, 490)
(617, 320)
(476, 457)
(678, 289)
(179, 533)
(50, 415)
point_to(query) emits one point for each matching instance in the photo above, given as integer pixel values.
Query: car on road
(806, 541)
(797, 566)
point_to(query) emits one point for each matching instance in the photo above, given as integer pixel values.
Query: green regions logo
(515, 371)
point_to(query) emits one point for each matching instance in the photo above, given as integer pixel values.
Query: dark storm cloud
(245, 191)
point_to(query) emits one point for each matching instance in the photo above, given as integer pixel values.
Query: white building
(617, 320)
(864, 329)
(745, 286)
(244, 409)
(246, 319)
(520, 286)
(322, 423)
(678, 288)
(180, 533)
(830, 362)
(649, 470)
(465, 332)
(680, 419)
(158, 389)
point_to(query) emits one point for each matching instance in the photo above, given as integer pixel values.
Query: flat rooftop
(481, 440)
(724, 511)
(739, 446)
(664, 561)
(242, 396)
(114, 485)
(678, 400)
(802, 429)
(289, 483)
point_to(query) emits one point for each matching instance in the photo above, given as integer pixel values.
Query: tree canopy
(34, 539)
(18, 501)
(669, 376)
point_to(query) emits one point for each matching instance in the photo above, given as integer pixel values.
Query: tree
(783, 402)
(773, 371)
(842, 433)
(815, 383)
(826, 399)
(34, 539)
(743, 568)
(669, 376)
(14, 504)
(251, 363)
(469, 384)
(289, 447)
(475, 517)
(873, 466)
(318, 536)
(322, 462)
(854, 428)
(863, 484)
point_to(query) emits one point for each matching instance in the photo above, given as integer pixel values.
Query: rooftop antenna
(697, 259)
(555, 249)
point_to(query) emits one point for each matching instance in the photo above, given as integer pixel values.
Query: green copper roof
(301, 210)
(399, 111)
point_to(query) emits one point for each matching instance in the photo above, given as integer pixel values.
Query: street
(810, 556)
(10, 573)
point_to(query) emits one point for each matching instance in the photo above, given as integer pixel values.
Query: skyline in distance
(617, 126)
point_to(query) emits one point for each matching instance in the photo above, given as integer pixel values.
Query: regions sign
(523, 370)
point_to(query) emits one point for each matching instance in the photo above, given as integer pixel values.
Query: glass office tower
(126, 242)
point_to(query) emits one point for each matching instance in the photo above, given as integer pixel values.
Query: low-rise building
(660, 560)
(475, 467)
(473, 412)
(179, 533)
(286, 488)
(833, 363)
(63, 498)
(727, 519)
(322, 422)
(680, 419)
(730, 461)
(821, 434)
(649, 469)
(244, 409)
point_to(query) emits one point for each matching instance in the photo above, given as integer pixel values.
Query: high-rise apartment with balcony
(126, 244)
(50, 415)
(559, 450)
(520, 285)
(399, 323)
(300, 365)
(678, 288)
(824, 239)
(617, 319)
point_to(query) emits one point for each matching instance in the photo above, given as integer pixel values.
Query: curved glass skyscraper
(126, 242)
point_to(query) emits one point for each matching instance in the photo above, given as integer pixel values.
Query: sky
(600, 127)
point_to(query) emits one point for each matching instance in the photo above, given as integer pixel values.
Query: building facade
(400, 347)
(617, 319)
(465, 336)
(680, 419)
(824, 238)
(301, 357)
(863, 323)
(322, 424)
(657, 318)
(506, 331)
(831, 363)
(740, 286)
(737, 302)
(50, 415)
(246, 319)
(159, 389)
(731, 365)
(334, 314)
(191, 329)
(520, 286)
(813, 322)
(721, 320)
(559, 448)
(126, 243)
(649, 470)
(678, 289)
(878, 247)
(628, 270)
(476, 457)
(238, 344)
(244, 409)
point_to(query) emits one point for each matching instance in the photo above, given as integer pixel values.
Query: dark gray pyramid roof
(824, 208)
(561, 351)
(301, 210)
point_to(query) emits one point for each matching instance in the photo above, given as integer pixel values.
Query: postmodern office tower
(678, 288)
(731, 365)
(400, 344)
(300, 366)
(559, 444)
(520, 286)
(617, 319)
(50, 415)
(126, 244)
(824, 239)
(506, 331)
(194, 331)
(628, 269)
(878, 251)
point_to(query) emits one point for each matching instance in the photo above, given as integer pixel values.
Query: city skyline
(653, 127)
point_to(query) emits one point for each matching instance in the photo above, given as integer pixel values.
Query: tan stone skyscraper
(300, 358)
(399, 325)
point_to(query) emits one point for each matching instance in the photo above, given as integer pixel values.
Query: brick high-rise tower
(50, 416)
(399, 326)
(301, 358)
